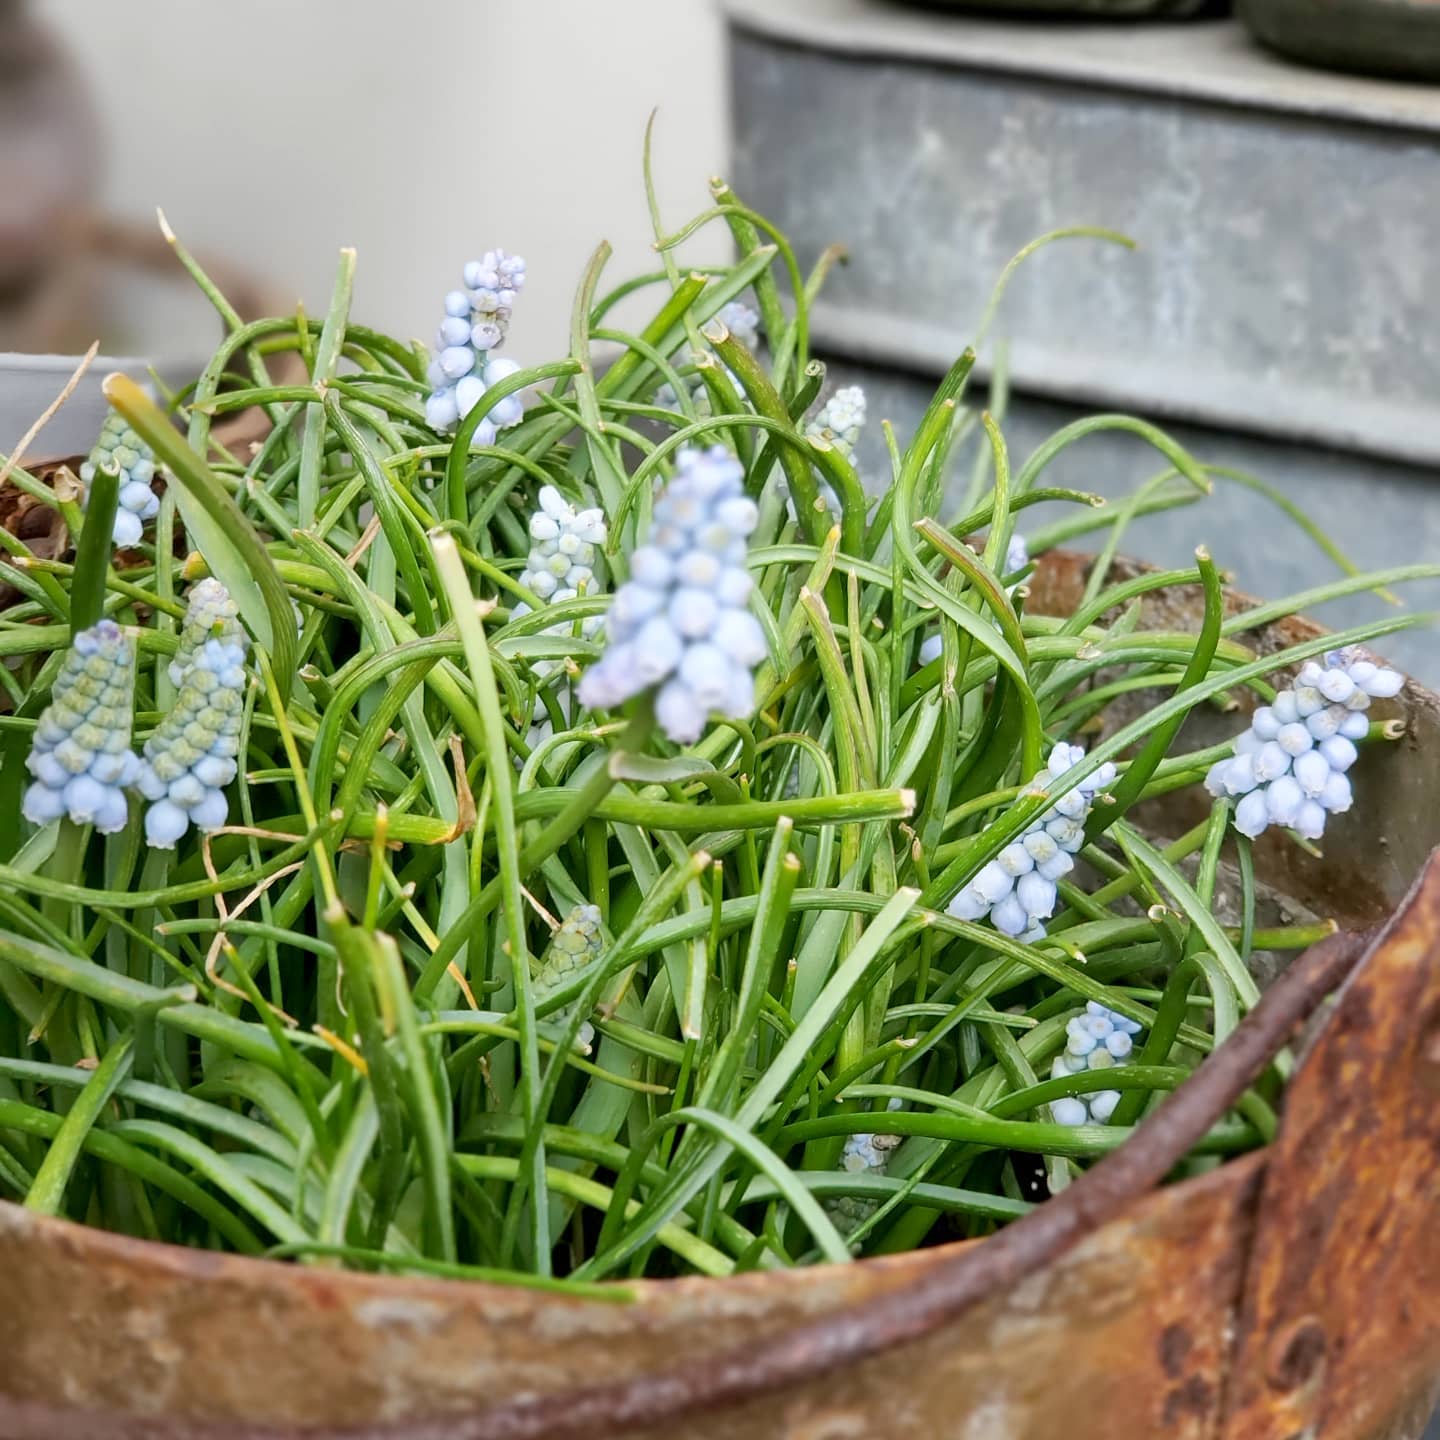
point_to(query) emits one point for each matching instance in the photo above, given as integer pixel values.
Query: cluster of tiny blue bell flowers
(81, 757)
(476, 321)
(1017, 889)
(1017, 557)
(560, 567)
(864, 1154)
(840, 420)
(1289, 767)
(561, 563)
(576, 943)
(1100, 1039)
(742, 322)
(682, 622)
(121, 449)
(192, 755)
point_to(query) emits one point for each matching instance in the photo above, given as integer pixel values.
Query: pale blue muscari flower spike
(210, 614)
(1017, 890)
(192, 754)
(742, 321)
(476, 321)
(840, 420)
(81, 757)
(561, 563)
(579, 940)
(121, 449)
(560, 567)
(1289, 767)
(682, 621)
(864, 1154)
(493, 282)
(1100, 1039)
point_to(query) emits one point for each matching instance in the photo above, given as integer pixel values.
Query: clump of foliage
(763, 939)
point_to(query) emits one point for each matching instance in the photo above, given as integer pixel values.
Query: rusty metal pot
(1295, 1292)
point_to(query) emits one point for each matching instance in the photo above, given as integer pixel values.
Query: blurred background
(1277, 316)
(273, 133)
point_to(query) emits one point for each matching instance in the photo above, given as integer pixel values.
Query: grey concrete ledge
(1213, 61)
(1090, 377)
(1286, 277)
(1379, 513)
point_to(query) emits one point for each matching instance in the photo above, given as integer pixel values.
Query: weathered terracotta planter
(1295, 1292)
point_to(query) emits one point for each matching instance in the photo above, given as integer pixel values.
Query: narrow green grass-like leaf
(675, 1195)
(48, 1192)
(218, 528)
(113, 1150)
(92, 554)
(1198, 913)
(467, 618)
(327, 358)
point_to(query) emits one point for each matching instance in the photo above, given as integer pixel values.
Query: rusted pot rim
(960, 1277)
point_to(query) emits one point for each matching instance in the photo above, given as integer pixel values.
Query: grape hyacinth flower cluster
(476, 321)
(1017, 889)
(742, 321)
(81, 757)
(681, 622)
(1100, 1039)
(1017, 557)
(578, 940)
(1289, 766)
(560, 567)
(191, 756)
(840, 420)
(863, 1154)
(121, 449)
(210, 614)
(561, 563)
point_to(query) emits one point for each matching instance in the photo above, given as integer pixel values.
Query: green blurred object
(1371, 37)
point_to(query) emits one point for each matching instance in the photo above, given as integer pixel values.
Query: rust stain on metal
(1339, 1333)
(1175, 1346)
(1043, 1322)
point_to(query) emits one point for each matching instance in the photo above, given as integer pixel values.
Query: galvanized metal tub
(1373, 37)
(1295, 1292)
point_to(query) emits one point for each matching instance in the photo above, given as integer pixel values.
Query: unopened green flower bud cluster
(577, 942)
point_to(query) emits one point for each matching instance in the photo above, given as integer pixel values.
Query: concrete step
(1280, 311)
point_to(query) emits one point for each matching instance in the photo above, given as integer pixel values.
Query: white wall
(423, 133)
